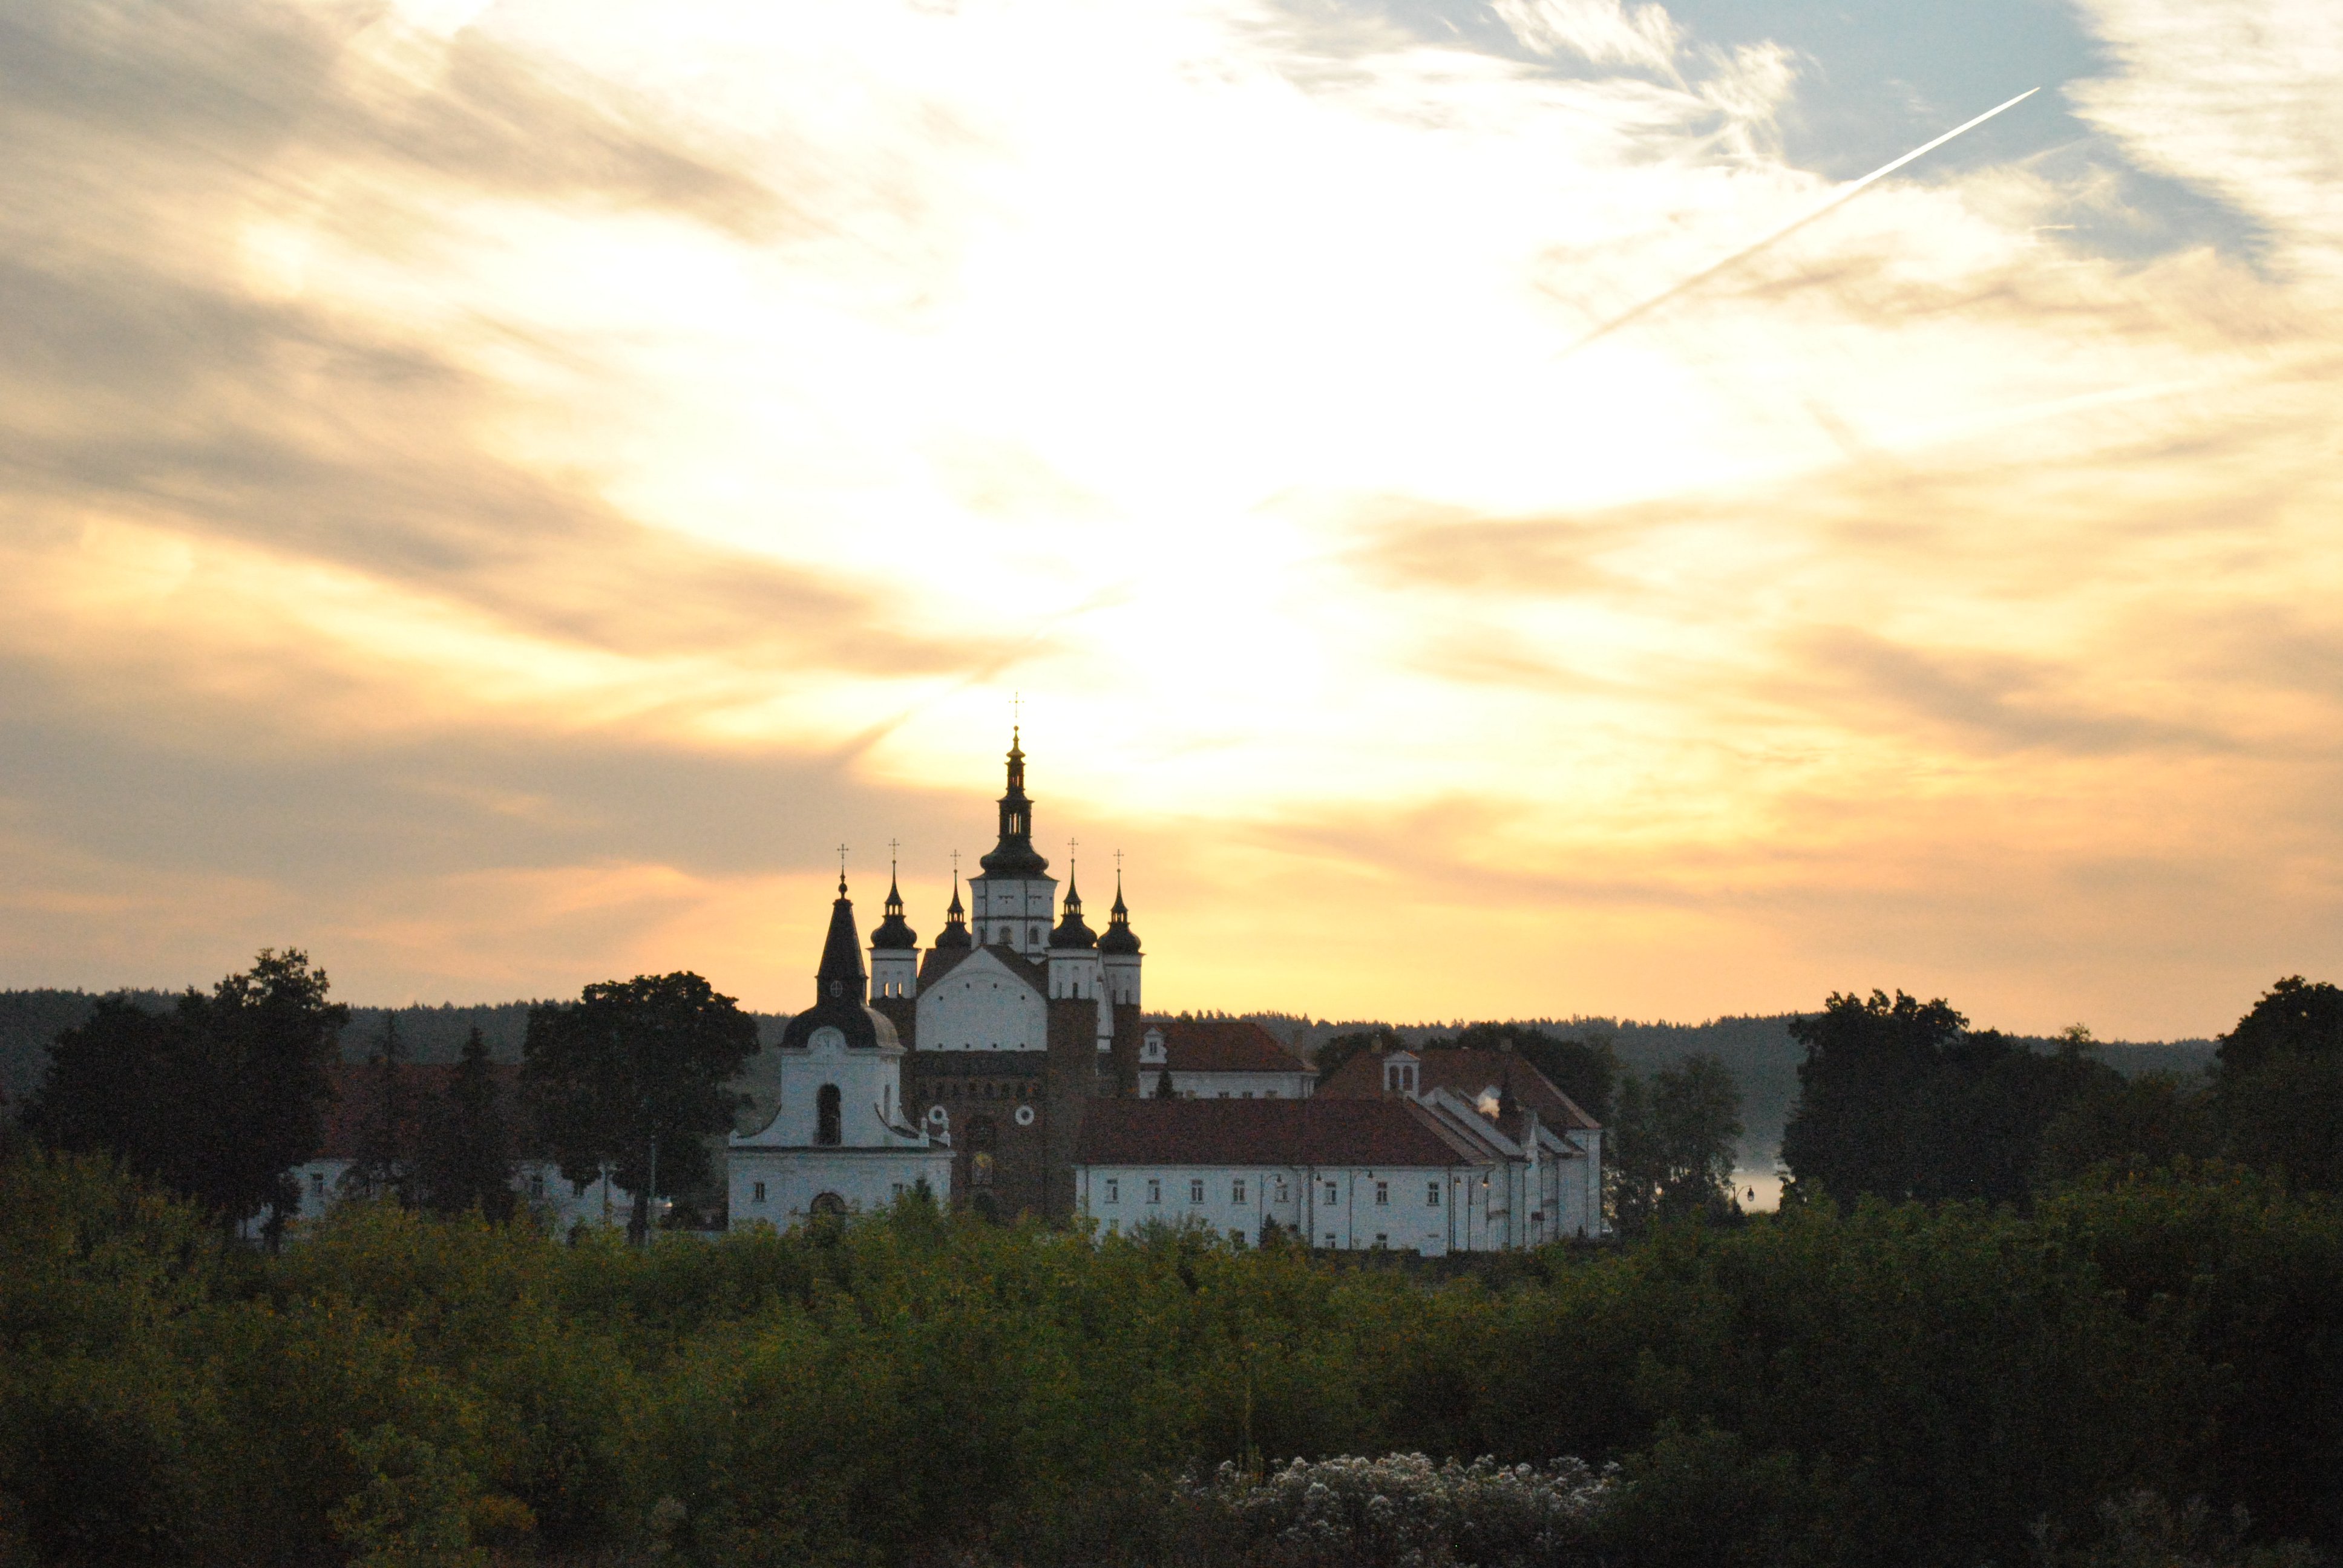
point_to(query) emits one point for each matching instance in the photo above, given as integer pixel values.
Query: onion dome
(1015, 856)
(955, 931)
(1120, 937)
(1071, 932)
(892, 933)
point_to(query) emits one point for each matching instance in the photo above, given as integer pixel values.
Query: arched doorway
(827, 1205)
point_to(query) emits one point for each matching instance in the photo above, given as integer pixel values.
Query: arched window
(826, 1131)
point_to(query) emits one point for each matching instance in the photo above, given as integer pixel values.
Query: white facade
(1015, 912)
(981, 1004)
(894, 972)
(1282, 1083)
(838, 1139)
(1405, 1208)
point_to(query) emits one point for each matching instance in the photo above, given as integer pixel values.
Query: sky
(495, 494)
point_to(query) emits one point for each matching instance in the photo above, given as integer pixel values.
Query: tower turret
(1073, 950)
(894, 948)
(954, 935)
(1015, 897)
(1119, 954)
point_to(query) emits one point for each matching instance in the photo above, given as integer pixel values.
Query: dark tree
(468, 1151)
(1866, 1069)
(1671, 1143)
(1901, 1100)
(2294, 1017)
(633, 1072)
(218, 1099)
(2135, 1125)
(384, 1166)
(2278, 1085)
(1337, 1049)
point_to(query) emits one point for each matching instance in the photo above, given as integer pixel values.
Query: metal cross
(1071, 844)
(841, 862)
(893, 845)
(1016, 708)
(955, 860)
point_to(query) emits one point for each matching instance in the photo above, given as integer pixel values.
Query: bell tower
(1014, 899)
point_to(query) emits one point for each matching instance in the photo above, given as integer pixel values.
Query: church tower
(1118, 1013)
(1014, 897)
(894, 951)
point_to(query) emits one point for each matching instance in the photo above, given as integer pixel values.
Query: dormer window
(1151, 1048)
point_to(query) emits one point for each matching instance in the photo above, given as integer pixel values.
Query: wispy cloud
(505, 488)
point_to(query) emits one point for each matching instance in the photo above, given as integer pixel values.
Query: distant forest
(1757, 1050)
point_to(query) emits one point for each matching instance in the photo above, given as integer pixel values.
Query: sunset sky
(495, 494)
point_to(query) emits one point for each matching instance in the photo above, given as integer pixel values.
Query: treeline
(1895, 1386)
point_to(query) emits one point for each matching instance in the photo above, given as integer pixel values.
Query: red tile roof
(1465, 1072)
(358, 1087)
(1369, 1132)
(1222, 1045)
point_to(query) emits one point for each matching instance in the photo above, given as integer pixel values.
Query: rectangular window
(1196, 1190)
(1236, 1238)
(1114, 1191)
(537, 1186)
(317, 1183)
(759, 1195)
(1382, 1240)
(1431, 1194)
(1382, 1192)
(1284, 1193)
(1329, 1238)
(1154, 1189)
(1333, 1193)
(1237, 1190)
(897, 1190)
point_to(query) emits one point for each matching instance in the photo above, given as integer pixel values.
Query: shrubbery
(1888, 1386)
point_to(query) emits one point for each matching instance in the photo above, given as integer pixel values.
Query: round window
(1024, 1116)
(936, 1114)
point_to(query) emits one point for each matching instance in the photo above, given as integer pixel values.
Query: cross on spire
(841, 870)
(894, 847)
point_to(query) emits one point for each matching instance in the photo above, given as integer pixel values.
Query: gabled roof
(942, 961)
(1368, 1132)
(1221, 1045)
(1467, 1073)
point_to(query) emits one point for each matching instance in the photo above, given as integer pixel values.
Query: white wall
(1021, 908)
(1117, 1196)
(981, 1006)
(1235, 1085)
(865, 1079)
(790, 1179)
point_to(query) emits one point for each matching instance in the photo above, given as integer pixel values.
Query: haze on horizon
(494, 494)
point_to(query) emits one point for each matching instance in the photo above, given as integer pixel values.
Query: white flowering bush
(1400, 1510)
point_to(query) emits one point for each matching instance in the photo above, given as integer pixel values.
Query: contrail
(1838, 200)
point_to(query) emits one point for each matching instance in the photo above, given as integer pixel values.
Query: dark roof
(893, 935)
(940, 962)
(1266, 1132)
(1119, 938)
(1467, 1073)
(955, 931)
(839, 987)
(1221, 1045)
(1072, 932)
